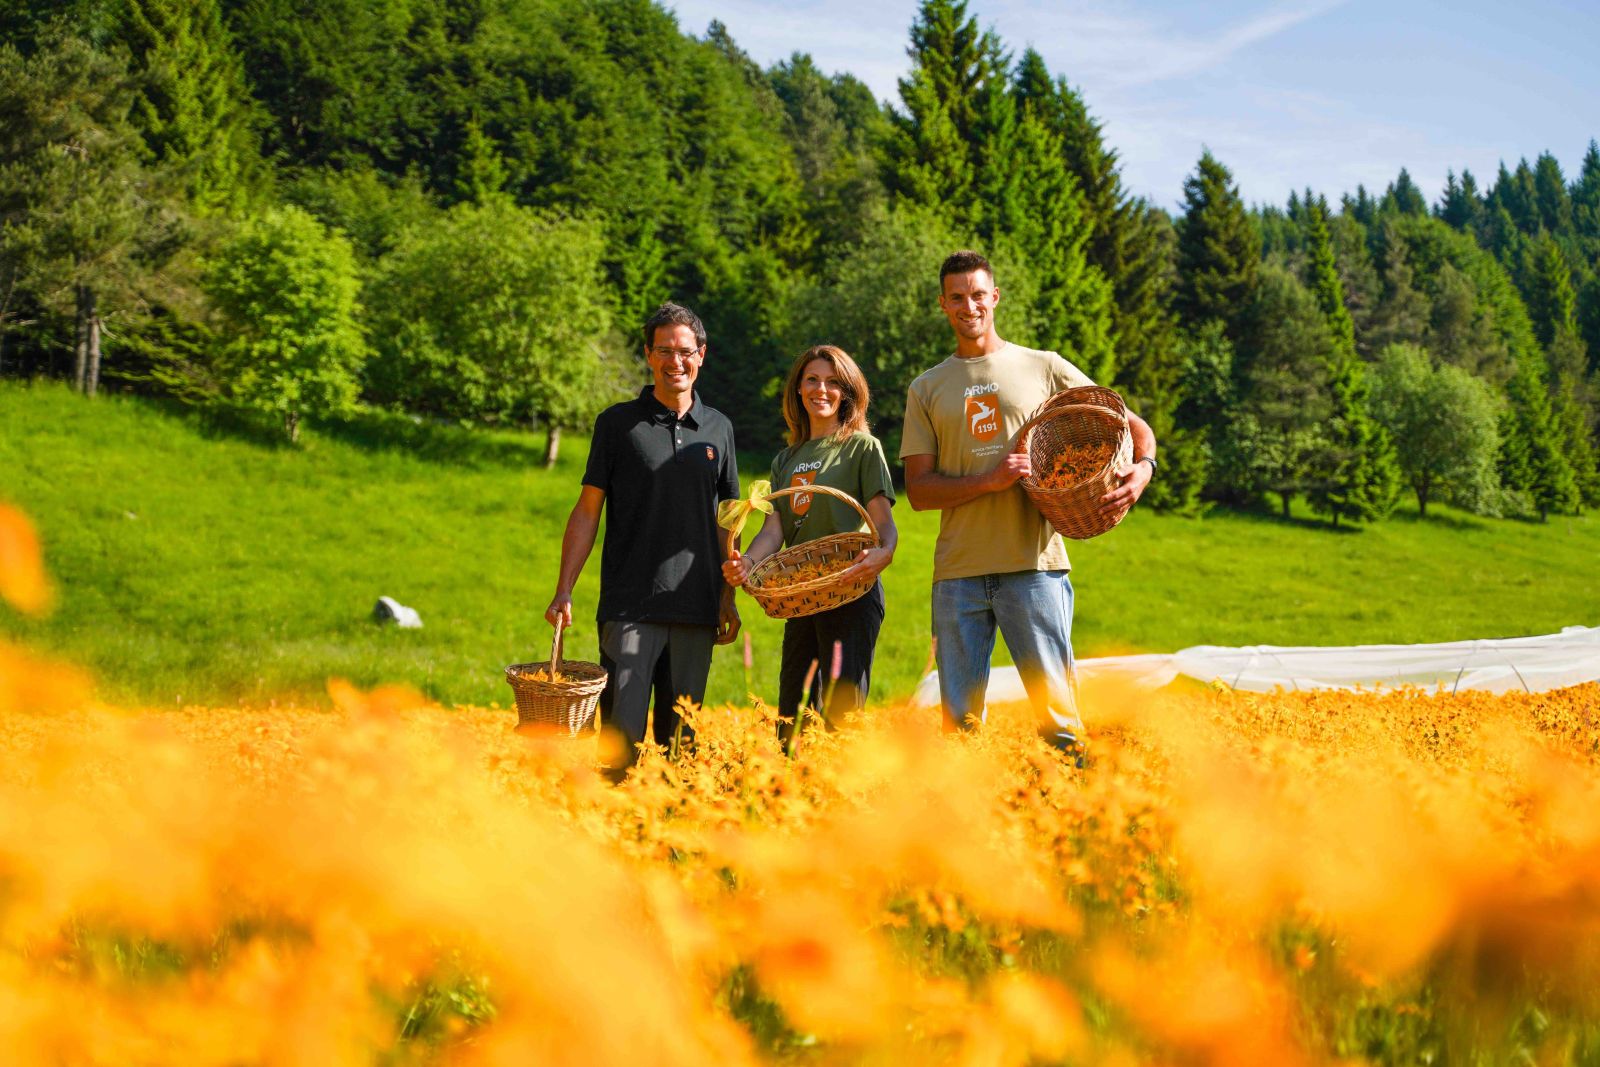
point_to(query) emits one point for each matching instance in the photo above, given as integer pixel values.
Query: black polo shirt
(663, 477)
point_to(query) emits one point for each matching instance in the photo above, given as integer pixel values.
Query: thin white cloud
(1165, 80)
(1113, 50)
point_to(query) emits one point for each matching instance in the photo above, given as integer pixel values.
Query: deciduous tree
(1445, 422)
(287, 291)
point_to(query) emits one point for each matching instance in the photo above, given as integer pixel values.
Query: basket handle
(1048, 411)
(555, 645)
(872, 527)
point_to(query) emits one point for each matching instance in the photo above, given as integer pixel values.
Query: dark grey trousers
(671, 659)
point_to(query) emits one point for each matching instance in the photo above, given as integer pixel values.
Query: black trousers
(854, 627)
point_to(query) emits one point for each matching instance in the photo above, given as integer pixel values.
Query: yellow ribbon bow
(732, 514)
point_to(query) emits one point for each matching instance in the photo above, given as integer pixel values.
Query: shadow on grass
(1451, 521)
(229, 421)
(437, 442)
(371, 431)
(1274, 516)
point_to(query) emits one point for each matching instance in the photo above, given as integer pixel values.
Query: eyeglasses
(684, 354)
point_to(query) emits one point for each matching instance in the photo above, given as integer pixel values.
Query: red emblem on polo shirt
(711, 454)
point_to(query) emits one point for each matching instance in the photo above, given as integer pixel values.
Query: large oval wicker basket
(568, 695)
(773, 583)
(1075, 428)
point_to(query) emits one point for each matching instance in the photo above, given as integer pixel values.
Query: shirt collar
(659, 412)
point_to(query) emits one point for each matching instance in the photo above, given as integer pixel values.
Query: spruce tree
(1514, 191)
(1457, 332)
(953, 98)
(1219, 252)
(1117, 244)
(1574, 429)
(1586, 201)
(1130, 245)
(1547, 289)
(994, 163)
(193, 107)
(1276, 440)
(1460, 206)
(1324, 275)
(1550, 198)
(832, 148)
(1073, 306)
(1401, 316)
(1361, 207)
(1358, 275)
(83, 222)
(1404, 197)
(1533, 467)
(1364, 478)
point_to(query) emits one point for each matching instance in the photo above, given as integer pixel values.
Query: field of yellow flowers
(1396, 878)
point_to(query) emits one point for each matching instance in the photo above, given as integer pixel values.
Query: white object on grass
(1526, 664)
(388, 609)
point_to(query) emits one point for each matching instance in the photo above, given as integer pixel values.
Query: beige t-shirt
(965, 413)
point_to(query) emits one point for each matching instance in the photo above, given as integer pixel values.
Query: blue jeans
(1034, 612)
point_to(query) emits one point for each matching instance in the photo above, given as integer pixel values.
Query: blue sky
(1325, 93)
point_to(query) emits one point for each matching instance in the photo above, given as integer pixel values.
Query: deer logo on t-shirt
(804, 474)
(983, 411)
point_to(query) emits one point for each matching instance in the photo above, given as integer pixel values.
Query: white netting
(1531, 664)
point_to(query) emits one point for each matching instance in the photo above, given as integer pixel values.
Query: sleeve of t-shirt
(728, 475)
(917, 437)
(598, 470)
(874, 470)
(1068, 376)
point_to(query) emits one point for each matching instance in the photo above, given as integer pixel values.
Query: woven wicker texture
(1083, 431)
(564, 693)
(780, 584)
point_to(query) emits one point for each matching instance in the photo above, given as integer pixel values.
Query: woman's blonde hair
(852, 405)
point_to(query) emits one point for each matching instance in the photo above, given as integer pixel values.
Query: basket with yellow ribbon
(805, 578)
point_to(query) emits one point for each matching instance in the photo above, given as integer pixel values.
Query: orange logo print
(983, 416)
(801, 502)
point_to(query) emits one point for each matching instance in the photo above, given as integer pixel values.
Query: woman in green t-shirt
(825, 404)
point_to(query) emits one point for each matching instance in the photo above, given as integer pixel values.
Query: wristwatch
(1150, 460)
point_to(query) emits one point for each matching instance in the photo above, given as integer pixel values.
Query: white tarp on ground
(1531, 664)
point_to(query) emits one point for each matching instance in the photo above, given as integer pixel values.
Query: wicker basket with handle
(567, 696)
(774, 582)
(1074, 425)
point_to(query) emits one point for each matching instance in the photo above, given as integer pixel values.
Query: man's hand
(728, 621)
(560, 607)
(1015, 467)
(869, 564)
(1132, 478)
(735, 569)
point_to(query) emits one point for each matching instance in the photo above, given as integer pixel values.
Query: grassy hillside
(200, 560)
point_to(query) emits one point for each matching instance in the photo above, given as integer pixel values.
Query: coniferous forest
(461, 210)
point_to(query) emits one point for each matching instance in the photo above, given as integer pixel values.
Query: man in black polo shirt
(659, 464)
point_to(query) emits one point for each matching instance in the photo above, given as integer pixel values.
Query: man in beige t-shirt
(997, 562)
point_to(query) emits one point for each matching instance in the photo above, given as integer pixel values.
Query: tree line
(460, 209)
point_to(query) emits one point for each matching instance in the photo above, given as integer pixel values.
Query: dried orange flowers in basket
(1074, 464)
(806, 572)
(1078, 440)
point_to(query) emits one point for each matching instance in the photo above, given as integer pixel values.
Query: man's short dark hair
(670, 314)
(963, 262)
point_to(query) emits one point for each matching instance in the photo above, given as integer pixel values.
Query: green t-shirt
(965, 413)
(855, 466)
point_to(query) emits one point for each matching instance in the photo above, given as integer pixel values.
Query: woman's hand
(869, 564)
(735, 569)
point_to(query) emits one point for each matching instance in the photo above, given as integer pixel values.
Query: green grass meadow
(199, 560)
